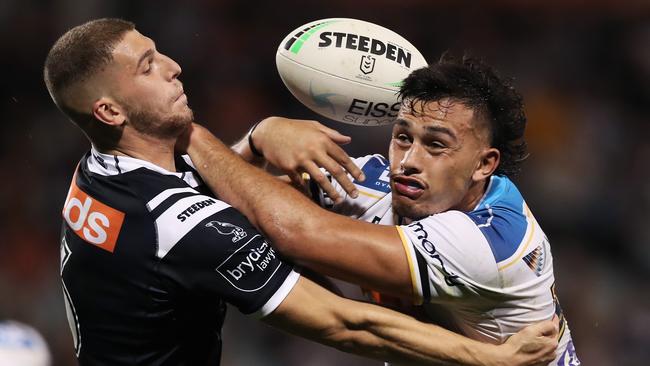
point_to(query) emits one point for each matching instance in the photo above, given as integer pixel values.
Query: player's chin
(408, 208)
(184, 116)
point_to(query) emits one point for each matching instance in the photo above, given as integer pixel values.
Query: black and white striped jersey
(150, 257)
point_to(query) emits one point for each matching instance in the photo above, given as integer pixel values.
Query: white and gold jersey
(490, 269)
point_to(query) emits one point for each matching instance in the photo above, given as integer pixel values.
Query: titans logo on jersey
(150, 257)
(490, 269)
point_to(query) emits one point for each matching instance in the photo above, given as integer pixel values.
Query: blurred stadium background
(582, 66)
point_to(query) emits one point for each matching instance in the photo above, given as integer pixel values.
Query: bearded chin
(403, 210)
(156, 125)
(409, 211)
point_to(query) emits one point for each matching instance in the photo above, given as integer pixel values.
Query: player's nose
(411, 161)
(173, 68)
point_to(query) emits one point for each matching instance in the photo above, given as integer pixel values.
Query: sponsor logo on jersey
(535, 260)
(422, 235)
(226, 228)
(251, 266)
(194, 208)
(377, 175)
(366, 44)
(91, 220)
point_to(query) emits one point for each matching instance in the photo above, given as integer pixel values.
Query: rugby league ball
(347, 70)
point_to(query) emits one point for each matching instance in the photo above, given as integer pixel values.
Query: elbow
(358, 341)
(354, 334)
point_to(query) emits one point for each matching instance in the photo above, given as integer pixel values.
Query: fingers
(335, 135)
(340, 174)
(317, 175)
(547, 353)
(343, 159)
(547, 328)
(296, 179)
(548, 343)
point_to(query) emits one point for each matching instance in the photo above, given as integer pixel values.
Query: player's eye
(437, 144)
(147, 67)
(402, 138)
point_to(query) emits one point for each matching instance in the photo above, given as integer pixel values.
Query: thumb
(336, 136)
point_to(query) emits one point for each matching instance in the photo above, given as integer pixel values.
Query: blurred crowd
(583, 68)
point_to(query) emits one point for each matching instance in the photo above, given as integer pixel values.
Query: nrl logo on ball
(367, 64)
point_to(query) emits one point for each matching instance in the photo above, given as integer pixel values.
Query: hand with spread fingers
(301, 146)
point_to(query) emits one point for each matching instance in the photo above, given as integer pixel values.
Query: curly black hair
(478, 86)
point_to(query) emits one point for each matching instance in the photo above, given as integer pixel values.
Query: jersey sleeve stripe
(162, 196)
(181, 217)
(413, 269)
(424, 277)
(279, 295)
(523, 248)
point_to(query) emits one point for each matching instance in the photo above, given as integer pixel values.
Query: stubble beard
(408, 210)
(152, 123)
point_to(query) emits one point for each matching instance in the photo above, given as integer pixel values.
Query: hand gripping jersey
(149, 258)
(489, 270)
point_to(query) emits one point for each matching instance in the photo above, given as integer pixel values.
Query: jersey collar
(107, 165)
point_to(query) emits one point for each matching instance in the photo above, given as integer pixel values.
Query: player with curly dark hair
(478, 86)
(454, 232)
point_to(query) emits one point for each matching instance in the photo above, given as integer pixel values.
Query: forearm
(404, 339)
(257, 195)
(369, 330)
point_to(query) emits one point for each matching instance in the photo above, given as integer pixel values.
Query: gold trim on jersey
(371, 195)
(417, 297)
(531, 219)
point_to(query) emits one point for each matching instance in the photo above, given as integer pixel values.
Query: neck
(155, 150)
(473, 196)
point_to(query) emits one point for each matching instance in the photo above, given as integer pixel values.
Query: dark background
(582, 66)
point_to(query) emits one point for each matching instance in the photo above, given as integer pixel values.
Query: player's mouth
(407, 186)
(181, 97)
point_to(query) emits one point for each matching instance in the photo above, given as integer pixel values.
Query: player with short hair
(455, 232)
(149, 256)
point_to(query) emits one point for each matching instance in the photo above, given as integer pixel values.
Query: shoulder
(447, 257)
(503, 218)
(455, 235)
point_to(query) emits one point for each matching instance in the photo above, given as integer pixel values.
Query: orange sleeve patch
(91, 220)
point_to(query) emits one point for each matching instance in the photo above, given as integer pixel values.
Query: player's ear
(487, 164)
(107, 111)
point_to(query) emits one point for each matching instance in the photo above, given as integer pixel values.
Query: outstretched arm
(352, 250)
(369, 330)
